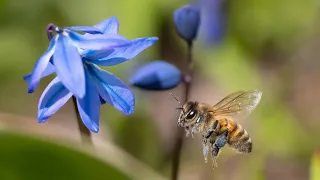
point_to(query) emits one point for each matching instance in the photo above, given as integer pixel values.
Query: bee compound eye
(191, 114)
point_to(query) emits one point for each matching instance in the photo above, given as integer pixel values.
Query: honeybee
(217, 123)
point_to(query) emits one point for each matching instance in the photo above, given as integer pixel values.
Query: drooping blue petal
(89, 105)
(112, 89)
(87, 29)
(157, 75)
(69, 66)
(119, 55)
(98, 41)
(49, 70)
(52, 99)
(109, 26)
(88, 54)
(41, 65)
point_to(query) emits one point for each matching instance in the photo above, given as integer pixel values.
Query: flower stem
(180, 133)
(84, 131)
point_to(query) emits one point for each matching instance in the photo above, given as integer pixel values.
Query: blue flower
(187, 20)
(63, 53)
(157, 75)
(99, 86)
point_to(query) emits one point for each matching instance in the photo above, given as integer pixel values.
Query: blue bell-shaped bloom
(157, 75)
(187, 21)
(74, 58)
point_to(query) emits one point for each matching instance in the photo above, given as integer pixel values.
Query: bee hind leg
(215, 151)
(216, 147)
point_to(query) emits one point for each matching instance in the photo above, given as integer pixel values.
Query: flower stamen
(51, 28)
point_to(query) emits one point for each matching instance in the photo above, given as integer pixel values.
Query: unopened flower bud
(187, 21)
(157, 75)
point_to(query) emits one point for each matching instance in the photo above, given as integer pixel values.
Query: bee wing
(238, 104)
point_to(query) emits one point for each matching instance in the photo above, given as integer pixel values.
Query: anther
(52, 28)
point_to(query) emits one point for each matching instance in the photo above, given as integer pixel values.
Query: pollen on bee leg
(194, 129)
(205, 152)
(205, 149)
(192, 134)
(215, 154)
(214, 162)
(187, 133)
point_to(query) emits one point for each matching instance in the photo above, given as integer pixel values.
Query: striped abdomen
(238, 137)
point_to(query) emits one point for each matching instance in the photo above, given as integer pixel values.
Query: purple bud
(157, 75)
(187, 21)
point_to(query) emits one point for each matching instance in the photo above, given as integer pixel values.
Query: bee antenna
(181, 107)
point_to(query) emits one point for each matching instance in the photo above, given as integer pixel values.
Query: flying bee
(217, 123)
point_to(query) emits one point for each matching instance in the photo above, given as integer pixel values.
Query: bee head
(189, 115)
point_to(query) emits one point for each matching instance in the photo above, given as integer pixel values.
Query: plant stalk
(180, 132)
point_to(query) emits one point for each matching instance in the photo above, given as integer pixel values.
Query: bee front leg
(205, 146)
(217, 145)
(205, 143)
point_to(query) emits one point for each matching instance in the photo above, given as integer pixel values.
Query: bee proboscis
(217, 123)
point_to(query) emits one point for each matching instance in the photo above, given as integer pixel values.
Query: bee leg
(215, 151)
(205, 147)
(221, 140)
(192, 134)
(205, 144)
(193, 130)
(224, 132)
(217, 145)
(208, 133)
(187, 131)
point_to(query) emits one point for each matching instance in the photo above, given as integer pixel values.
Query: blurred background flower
(157, 75)
(214, 21)
(187, 20)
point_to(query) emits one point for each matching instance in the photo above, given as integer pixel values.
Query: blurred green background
(271, 45)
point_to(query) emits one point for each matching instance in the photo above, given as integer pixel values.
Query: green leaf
(30, 158)
(315, 167)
